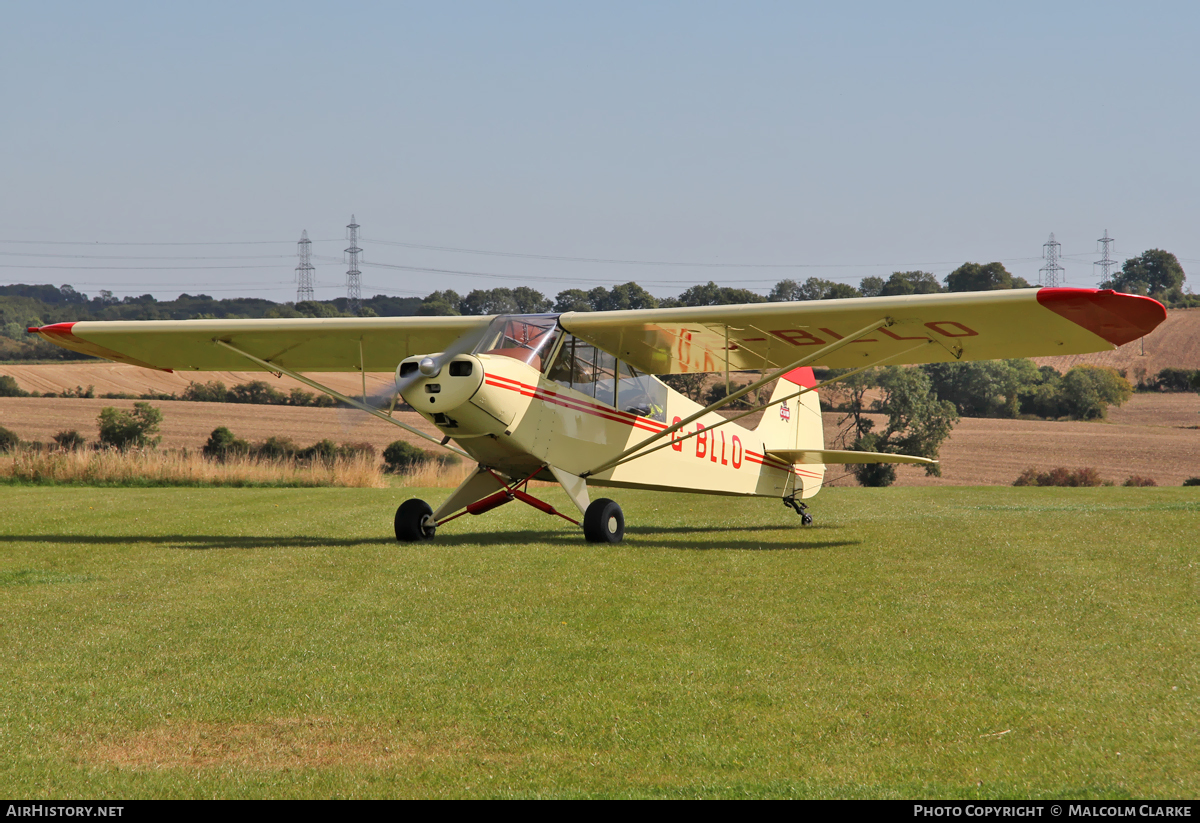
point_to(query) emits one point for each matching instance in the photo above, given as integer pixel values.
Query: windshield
(529, 338)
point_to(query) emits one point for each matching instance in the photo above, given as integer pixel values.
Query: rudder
(795, 424)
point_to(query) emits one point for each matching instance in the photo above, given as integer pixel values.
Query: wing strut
(766, 406)
(275, 367)
(729, 398)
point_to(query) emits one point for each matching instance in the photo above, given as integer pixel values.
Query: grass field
(916, 642)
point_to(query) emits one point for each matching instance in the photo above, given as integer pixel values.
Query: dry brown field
(1153, 435)
(1174, 344)
(188, 425)
(120, 378)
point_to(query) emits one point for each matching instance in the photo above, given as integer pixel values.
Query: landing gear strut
(799, 507)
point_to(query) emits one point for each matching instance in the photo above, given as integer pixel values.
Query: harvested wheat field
(188, 425)
(120, 378)
(1152, 435)
(1149, 436)
(1174, 344)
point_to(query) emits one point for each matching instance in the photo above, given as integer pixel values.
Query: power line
(616, 261)
(132, 268)
(141, 257)
(198, 243)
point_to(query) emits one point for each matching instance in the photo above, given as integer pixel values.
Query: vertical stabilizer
(795, 424)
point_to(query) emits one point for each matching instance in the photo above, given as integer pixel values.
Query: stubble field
(1153, 435)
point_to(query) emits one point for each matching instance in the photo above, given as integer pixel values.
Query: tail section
(795, 424)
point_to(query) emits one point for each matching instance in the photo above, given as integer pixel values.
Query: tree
(786, 291)
(130, 429)
(1156, 273)
(213, 391)
(70, 441)
(1088, 391)
(530, 301)
(440, 304)
(8, 440)
(984, 388)
(841, 291)
(690, 385)
(976, 277)
(9, 387)
(870, 286)
(489, 301)
(1083, 393)
(256, 391)
(710, 294)
(399, 457)
(918, 422)
(222, 443)
(624, 297)
(572, 300)
(315, 308)
(911, 282)
(814, 288)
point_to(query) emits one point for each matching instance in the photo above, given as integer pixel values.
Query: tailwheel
(414, 521)
(799, 507)
(603, 522)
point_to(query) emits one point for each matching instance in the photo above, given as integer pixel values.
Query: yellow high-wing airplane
(572, 397)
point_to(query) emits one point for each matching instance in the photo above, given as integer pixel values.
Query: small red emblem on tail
(784, 412)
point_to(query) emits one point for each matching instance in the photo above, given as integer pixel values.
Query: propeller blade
(429, 366)
(432, 365)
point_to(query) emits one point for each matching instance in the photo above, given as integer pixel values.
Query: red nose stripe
(1118, 318)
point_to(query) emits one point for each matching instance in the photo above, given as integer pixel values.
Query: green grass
(995, 642)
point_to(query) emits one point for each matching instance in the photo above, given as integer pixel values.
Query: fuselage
(511, 416)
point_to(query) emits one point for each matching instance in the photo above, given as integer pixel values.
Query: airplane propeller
(429, 366)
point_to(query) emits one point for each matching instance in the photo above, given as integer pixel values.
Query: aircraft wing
(988, 325)
(301, 344)
(923, 328)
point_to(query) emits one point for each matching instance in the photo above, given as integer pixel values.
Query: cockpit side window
(599, 375)
(641, 394)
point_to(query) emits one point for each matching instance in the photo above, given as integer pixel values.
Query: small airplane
(574, 398)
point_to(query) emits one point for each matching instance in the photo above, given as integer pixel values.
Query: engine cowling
(431, 390)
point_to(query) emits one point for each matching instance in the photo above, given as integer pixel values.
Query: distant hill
(1174, 344)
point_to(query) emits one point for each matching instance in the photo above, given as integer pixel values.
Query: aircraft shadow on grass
(689, 538)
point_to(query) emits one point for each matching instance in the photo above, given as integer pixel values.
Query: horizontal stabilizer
(815, 456)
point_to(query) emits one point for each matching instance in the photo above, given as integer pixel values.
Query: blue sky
(774, 139)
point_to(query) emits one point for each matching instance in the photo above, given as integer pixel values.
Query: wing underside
(301, 344)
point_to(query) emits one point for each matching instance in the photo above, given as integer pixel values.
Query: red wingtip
(56, 329)
(1118, 318)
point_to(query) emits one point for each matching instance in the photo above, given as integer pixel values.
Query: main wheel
(603, 522)
(414, 521)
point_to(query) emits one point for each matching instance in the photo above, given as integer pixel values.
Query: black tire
(604, 522)
(414, 521)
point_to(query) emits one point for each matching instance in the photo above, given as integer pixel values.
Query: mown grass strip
(913, 643)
